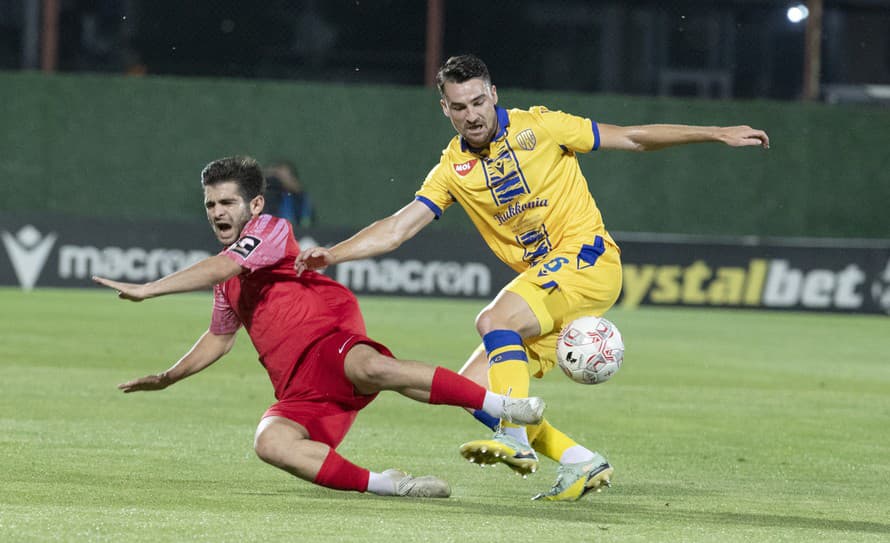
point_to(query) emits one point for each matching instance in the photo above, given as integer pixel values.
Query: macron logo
(28, 251)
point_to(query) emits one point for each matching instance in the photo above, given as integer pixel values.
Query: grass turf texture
(722, 426)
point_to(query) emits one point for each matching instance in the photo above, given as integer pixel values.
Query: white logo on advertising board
(880, 289)
(415, 277)
(28, 251)
(787, 286)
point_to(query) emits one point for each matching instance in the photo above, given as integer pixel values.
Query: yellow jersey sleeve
(434, 192)
(571, 132)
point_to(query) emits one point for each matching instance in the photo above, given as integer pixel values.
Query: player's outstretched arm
(379, 238)
(199, 276)
(208, 349)
(651, 137)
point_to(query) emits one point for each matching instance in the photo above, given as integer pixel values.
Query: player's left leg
(286, 445)
(580, 469)
(590, 287)
(544, 438)
(581, 287)
(503, 324)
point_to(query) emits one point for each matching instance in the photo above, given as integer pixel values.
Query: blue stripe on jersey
(590, 253)
(503, 121)
(501, 338)
(428, 203)
(596, 135)
(509, 188)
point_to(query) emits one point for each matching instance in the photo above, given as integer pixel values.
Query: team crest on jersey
(526, 139)
(464, 169)
(245, 245)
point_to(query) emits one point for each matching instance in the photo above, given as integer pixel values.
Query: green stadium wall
(118, 147)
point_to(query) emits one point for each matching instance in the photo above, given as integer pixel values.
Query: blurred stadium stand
(857, 94)
(712, 49)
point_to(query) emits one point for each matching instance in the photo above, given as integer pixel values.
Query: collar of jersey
(503, 123)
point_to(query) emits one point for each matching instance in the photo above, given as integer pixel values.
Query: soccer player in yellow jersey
(516, 174)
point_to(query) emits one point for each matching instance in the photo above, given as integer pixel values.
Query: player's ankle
(381, 485)
(576, 454)
(518, 433)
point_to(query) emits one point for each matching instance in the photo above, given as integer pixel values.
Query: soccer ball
(590, 350)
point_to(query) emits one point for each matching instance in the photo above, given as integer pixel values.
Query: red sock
(450, 388)
(340, 474)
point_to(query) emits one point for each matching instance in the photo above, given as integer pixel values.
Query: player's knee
(486, 321)
(496, 317)
(264, 445)
(376, 370)
(270, 443)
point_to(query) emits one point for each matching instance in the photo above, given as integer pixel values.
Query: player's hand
(125, 291)
(744, 136)
(149, 382)
(316, 258)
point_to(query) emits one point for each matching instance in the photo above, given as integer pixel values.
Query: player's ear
(494, 94)
(257, 205)
(444, 107)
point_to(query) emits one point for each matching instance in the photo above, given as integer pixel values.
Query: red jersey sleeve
(263, 242)
(223, 320)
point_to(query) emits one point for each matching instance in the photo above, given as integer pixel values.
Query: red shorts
(319, 397)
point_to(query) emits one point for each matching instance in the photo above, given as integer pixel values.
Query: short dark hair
(460, 69)
(243, 170)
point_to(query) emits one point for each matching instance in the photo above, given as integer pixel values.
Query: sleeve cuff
(596, 135)
(428, 203)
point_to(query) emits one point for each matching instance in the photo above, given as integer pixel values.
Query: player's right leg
(580, 470)
(286, 445)
(502, 325)
(502, 447)
(370, 367)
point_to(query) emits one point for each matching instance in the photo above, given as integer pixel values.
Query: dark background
(722, 49)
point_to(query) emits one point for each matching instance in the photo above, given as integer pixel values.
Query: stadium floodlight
(798, 13)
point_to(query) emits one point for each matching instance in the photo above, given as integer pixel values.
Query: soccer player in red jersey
(310, 337)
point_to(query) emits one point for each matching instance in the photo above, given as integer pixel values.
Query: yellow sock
(507, 364)
(509, 376)
(549, 441)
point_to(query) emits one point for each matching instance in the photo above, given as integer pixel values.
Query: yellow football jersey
(525, 192)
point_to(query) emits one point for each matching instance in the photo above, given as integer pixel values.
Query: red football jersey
(283, 314)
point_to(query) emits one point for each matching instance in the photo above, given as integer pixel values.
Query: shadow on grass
(623, 513)
(277, 498)
(602, 513)
(583, 511)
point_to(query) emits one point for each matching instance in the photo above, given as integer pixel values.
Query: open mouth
(223, 227)
(475, 133)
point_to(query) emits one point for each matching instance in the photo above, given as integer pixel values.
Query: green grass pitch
(722, 426)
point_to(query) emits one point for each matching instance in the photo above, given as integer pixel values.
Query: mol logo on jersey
(464, 169)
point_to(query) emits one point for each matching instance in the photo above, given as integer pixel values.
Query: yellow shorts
(564, 287)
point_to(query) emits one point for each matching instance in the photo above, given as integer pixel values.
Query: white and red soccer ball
(590, 350)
